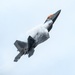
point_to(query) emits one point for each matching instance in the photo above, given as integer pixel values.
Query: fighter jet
(37, 36)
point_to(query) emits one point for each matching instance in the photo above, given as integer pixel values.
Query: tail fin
(31, 52)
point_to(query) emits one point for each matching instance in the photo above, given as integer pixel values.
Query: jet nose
(55, 15)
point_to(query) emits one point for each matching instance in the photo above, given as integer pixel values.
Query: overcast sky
(56, 56)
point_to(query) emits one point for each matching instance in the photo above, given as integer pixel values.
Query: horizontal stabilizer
(18, 56)
(20, 45)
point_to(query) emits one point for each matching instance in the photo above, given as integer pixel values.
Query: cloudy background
(56, 56)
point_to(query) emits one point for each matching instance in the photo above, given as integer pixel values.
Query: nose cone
(55, 15)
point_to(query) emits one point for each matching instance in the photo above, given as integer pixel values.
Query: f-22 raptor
(37, 35)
